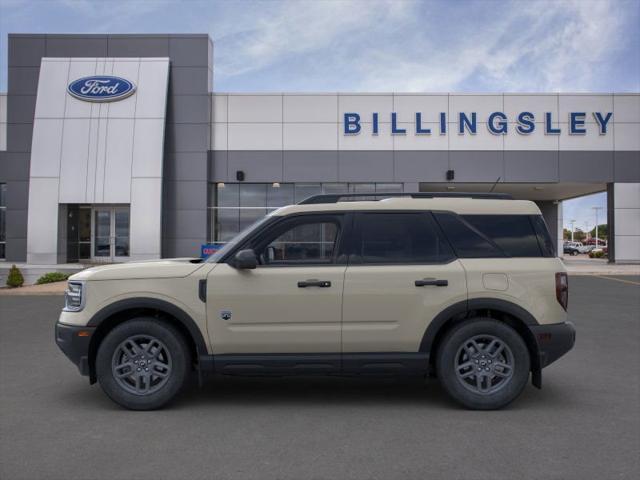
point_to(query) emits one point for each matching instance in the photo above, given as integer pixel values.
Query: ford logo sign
(102, 88)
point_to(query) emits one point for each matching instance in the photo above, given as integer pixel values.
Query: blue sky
(371, 45)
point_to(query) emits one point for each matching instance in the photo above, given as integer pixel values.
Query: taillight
(562, 289)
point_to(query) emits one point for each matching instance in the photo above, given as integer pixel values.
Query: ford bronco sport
(465, 287)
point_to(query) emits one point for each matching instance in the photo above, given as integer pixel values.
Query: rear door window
(398, 238)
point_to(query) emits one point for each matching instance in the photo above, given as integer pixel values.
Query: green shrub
(15, 278)
(598, 254)
(53, 277)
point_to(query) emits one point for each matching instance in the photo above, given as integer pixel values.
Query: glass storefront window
(305, 190)
(280, 195)
(234, 206)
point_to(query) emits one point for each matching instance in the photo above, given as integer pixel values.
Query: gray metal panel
(187, 137)
(218, 166)
(421, 166)
(17, 195)
(188, 109)
(185, 166)
(185, 195)
(26, 50)
(76, 46)
(19, 137)
(365, 166)
(138, 46)
(23, 80)
(16, 223)
(627, 166)
(15, 167)
(531, 166)
(611, 223)
(310, 166)
(182, 247)
(189, 51)
(16, 249)
(186, 223)
(22, 108)
(258, 165)
(477, 166)
(188, 80)
(586, 166)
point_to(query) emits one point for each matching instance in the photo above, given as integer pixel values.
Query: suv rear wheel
(483, 364)
(142, 363)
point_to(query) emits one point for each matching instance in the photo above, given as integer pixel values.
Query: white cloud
(532, 46)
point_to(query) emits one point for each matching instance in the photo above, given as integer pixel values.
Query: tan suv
(465, 287)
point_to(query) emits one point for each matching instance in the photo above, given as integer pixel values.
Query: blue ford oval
(101, 88)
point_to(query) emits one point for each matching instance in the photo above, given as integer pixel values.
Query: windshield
(239, 238)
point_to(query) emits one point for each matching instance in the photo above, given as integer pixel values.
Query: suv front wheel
(142, 363)
(483, 364)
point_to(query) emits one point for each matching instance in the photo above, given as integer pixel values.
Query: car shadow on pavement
(314, 392)
(371, 391)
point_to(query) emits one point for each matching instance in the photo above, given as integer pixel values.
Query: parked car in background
(586, 248)
(571, 248)
(592, 241)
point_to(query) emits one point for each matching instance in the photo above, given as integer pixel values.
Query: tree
(15, 278)
(578, 235)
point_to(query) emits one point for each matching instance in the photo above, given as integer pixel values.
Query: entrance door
(111, 234)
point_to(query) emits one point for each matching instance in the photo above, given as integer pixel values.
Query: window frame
(354, 259)
(268, 232)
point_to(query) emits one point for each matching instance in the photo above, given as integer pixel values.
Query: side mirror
(245, 260)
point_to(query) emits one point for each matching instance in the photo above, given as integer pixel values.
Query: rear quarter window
(465, 239)
(513, 234)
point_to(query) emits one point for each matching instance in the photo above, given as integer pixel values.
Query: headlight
(73, 298)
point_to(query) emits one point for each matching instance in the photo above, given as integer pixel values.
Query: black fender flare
(463, 307)
(155, 304)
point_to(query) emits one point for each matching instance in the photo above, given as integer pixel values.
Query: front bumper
(74, 342)
(553, 341)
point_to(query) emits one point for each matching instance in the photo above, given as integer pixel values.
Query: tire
(574, 253)
(142, 364)
(499, 384)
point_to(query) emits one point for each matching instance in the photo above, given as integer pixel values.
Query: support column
(624, 230)
(552, 213)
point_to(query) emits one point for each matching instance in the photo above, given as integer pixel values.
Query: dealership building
(118, 147)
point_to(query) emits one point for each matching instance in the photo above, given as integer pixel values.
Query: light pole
(572, 222)
(596, 210)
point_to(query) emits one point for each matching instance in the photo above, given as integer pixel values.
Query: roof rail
(337, 197)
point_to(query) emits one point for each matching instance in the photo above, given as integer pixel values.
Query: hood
(164, 268)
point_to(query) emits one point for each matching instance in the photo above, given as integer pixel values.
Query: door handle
(425, 282)
(314, 283)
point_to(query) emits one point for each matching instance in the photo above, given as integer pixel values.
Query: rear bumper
(553, 341)
(74, 342)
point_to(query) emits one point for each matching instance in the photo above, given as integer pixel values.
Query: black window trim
(539, 236)
(355, 234)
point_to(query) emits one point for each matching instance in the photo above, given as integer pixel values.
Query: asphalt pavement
(583, 424)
